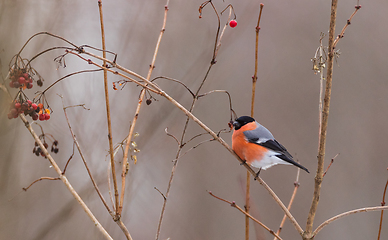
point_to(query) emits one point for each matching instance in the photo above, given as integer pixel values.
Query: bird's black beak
(236, 125)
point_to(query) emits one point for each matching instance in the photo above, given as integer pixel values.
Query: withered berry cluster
(39, 152)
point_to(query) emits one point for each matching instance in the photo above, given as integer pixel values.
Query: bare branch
(367, 209)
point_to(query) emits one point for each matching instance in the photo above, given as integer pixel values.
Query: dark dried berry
(148, 101)
(34, 116)
(55, 150)
(45, 145)
(55, 143)
(39, 82)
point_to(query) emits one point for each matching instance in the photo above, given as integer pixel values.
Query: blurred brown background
(286, 103)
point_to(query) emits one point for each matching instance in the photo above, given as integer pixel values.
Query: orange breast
(247, 151)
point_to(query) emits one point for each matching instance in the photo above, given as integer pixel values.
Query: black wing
(274, 145)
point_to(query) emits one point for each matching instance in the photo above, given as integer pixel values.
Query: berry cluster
(38, 151)
(20, 78)
(22, 105)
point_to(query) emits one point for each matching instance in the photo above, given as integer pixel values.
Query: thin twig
(296, 187)
(46, 33)
(84, 160)
(382, 212)
(348, 22)
(174, 80)
(136, 115)
(331, 162)
(108, 115)
(233, 204)
(169, 134)
(68, 161)
(69, 75)
(40, 179)
(254, 80)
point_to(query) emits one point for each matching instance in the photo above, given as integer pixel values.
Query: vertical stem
(254, 80)
(142, 94)
(112, 160)
(325, 115)
(247, 205)
(382, 212)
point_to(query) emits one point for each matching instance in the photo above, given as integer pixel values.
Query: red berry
(42, 117)
(25, 75)
(29, 85)
(11, 84)
(16, 84)
(34, 106)
(17, 105)
(22, 80)
(9, 115)
(29, 102)
(233, 23)
(47, 116)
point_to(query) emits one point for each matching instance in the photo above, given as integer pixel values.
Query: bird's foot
(257, 174)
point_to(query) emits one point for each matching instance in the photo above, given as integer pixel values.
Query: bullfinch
(256, 145)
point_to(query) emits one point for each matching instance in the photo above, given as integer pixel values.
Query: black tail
(289, 160)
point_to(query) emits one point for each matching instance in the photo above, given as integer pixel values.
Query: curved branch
(69, 75)
(50, 34)
(367, 209)
(175, 80)
(169, 134)
(229, 97)
(47, 50)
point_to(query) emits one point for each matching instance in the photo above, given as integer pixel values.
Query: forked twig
(233, 204)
